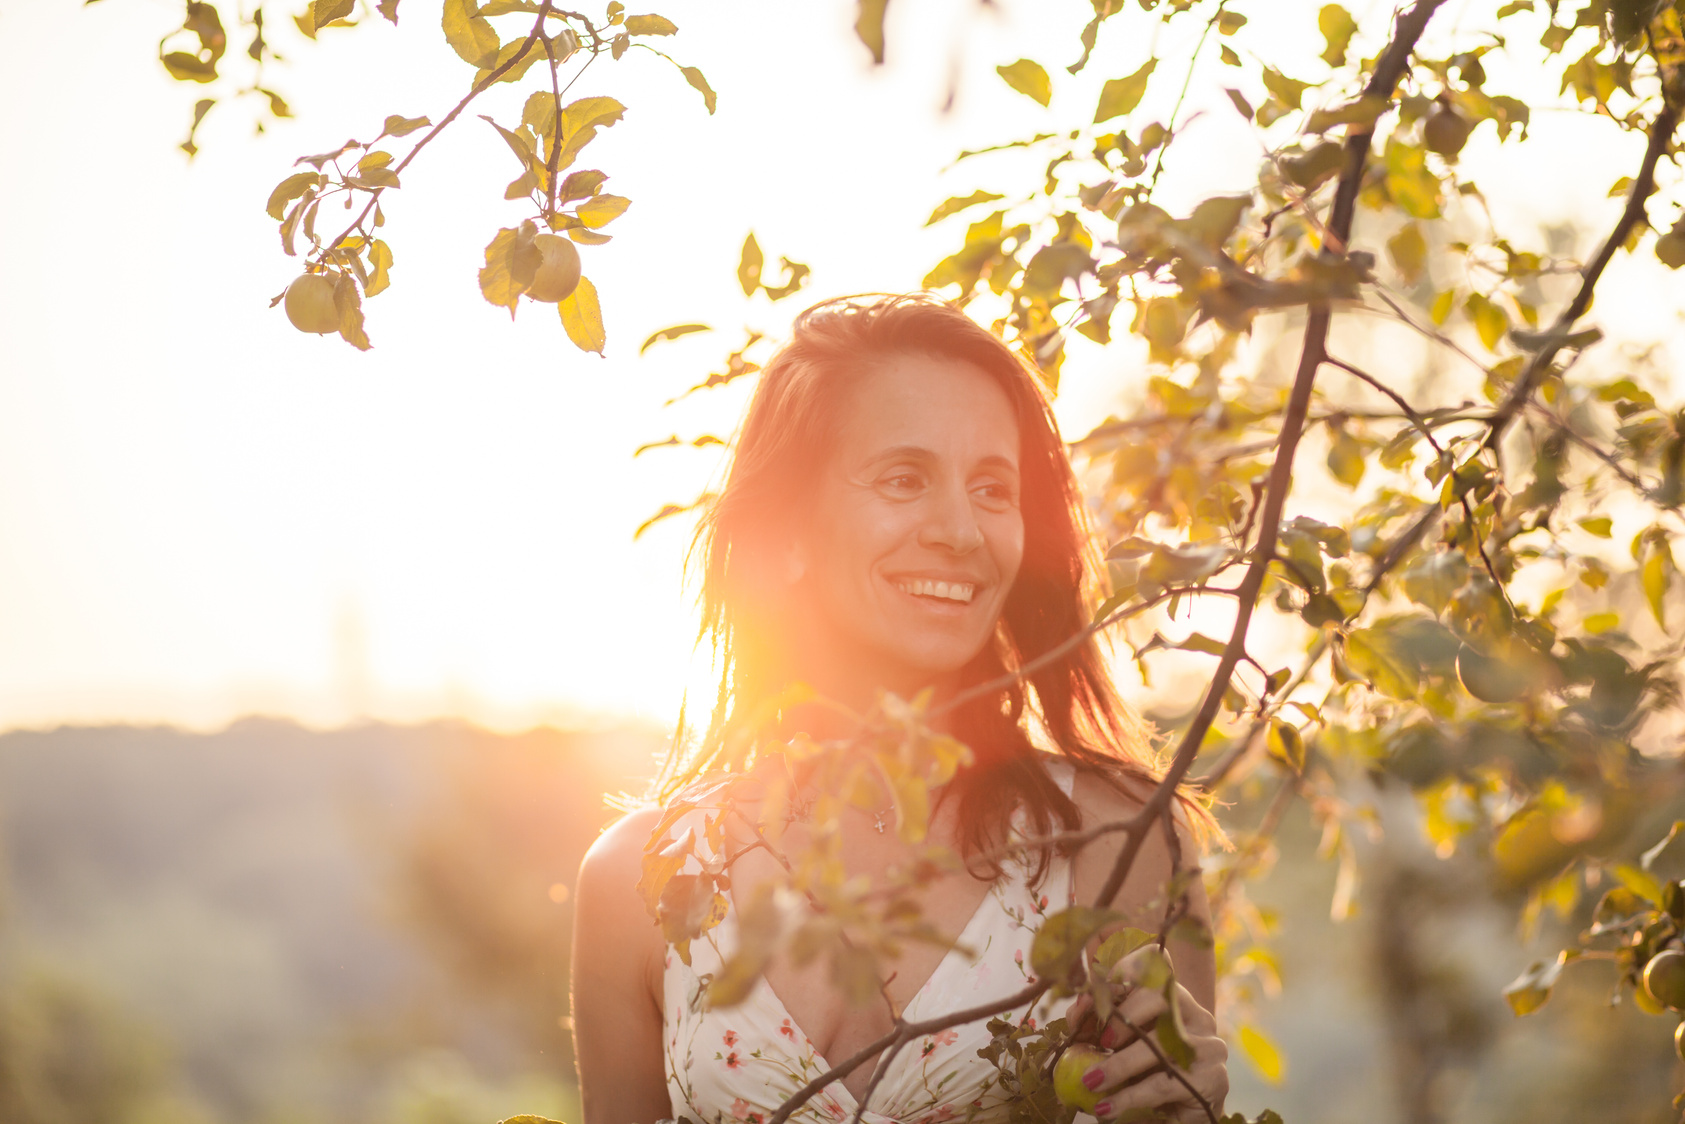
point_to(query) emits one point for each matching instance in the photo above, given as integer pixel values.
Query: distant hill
(270, 923)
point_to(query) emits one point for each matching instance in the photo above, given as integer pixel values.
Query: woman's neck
(843, 688)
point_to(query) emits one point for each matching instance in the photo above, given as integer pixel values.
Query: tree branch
(906, 1032)
(1388, 70)
(1661, 134)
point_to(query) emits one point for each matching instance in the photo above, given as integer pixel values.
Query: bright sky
(207, 514)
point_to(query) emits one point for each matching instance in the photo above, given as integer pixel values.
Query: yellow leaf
(582, 316)
(469, 35)
(529, 54)
(650, 25)
(1337, 27)
(1263, 1053)
(749, 266)
(694, 77)
(1440, 312)
(1490, 321)
(1122, 95)
(324, 12)
(1028, 78)
(600, 210)
(580, 122)
(869, 27)
(1409, 252)
(380, 261)
(511, 261)
(289, 189)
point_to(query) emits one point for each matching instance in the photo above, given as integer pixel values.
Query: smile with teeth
(946, 591)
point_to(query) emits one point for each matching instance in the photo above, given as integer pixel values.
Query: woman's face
(915, 535)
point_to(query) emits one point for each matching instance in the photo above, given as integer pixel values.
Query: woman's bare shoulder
(616, 858)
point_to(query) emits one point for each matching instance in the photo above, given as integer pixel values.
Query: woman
(899, 516)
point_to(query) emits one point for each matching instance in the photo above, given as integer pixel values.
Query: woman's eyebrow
(903, 452)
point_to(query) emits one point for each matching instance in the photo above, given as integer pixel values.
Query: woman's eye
(902, 482)
(996, 493)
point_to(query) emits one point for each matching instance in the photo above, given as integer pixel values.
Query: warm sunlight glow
(208, 514)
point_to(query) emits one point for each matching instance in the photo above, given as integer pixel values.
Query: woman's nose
(952, 524)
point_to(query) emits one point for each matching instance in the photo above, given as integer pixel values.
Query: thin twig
(1661, 134)
(1170, 1067)
(906, 1032)
(1409, 410)
(1187, 79)
(479, 88)
(1220, 772)
(1060, 651)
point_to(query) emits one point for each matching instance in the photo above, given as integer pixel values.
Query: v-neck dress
(738, 1064)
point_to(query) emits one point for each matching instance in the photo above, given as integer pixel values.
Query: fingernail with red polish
(1103, 1109)
(1094, 1078)
(1108, 1040)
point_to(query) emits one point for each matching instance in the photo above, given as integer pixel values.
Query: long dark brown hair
(786, 436)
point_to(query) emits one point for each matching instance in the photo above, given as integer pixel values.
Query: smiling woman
(899, 518)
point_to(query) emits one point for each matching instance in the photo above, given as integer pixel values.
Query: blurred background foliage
(270, 925)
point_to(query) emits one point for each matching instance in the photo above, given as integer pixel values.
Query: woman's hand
(1135, 1076)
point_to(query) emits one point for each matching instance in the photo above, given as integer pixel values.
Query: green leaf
(1242, 106)
(1028, 78)
(1376, 655)
(397, 126)
(1670, 247)
(582, 316)
(1337, 27)
(1263, 1053)
(1288, 91)
(184, 67)
(1532, 988)
(600, 210)
(650, 25)
(958, 203)
(868, 25)
(1120, 944)
(289, 189)
(749, 265)
(1230, 22)
(1361, 112)
(672, 333)
(1056, 953)
(389, 9)
(1121, 95)
(470, 36)
(694, 77)
(1287, 744)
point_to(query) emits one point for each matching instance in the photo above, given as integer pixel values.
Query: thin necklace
(802, 812)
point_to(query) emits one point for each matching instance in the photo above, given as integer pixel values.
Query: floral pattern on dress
(737, 1065)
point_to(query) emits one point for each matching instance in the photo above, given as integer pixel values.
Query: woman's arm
(1133, 1077)
(616, 977)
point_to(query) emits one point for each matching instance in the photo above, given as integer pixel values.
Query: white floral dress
(740, 1063)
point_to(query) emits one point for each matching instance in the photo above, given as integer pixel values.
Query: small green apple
(1078, 1059)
